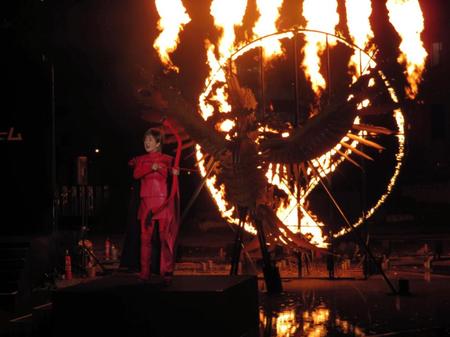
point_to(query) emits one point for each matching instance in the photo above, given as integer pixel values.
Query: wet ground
(316, 307)
(348, 307)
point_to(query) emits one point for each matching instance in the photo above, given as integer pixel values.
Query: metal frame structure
(293, 35)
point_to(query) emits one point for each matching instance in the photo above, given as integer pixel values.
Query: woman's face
(150, 144)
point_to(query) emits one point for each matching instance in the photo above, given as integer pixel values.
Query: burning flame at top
(173, 17)
(407, 18)
(269, 13)
(358, 14)
(227, 14)
(320, 15)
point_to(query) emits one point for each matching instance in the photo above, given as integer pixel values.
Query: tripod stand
(86, 254)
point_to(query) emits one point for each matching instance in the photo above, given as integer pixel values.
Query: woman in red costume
(155, 205)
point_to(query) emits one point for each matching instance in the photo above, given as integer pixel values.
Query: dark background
(101, 51)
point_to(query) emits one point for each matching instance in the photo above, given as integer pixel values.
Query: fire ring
(217, 81)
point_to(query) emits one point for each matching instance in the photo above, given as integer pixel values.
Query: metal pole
(262, 79)
(363, 171)
(238, 245)
(296, 83)
(328, 71)
(53, 160)
(297, 120)
(360, 62)
(209, 167)
(347, 222)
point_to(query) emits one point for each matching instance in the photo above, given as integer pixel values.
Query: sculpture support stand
(358, 237)
(270, 271)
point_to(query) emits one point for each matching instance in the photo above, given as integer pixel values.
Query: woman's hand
(155, 167)
(175, 172)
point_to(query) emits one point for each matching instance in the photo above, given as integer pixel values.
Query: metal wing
(325, 130)
(165, 99)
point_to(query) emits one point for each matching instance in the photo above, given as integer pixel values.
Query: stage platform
(191, 306)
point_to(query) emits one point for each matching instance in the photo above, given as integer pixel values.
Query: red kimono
(155, 206)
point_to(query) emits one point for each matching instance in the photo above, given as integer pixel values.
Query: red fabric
(174, 198)
(153, 183)
(167, 258)
(154, 198)
(153, 191)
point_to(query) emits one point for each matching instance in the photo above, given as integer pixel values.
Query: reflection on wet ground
(318, 308)
(288, 316)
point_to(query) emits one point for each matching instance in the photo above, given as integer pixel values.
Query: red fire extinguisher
(68, 266)
(107, 248)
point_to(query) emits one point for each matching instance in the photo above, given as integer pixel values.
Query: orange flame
(289, 214)
(227, 15)
(269, 13)
(358, 14)
(407, 18)
(320, 15)
(173, 17)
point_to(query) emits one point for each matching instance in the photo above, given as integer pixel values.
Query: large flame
(269, 11)
(407, 18)
(324, 165)
(320, 15)
(358, 14)
(173, 17)
(227, 15)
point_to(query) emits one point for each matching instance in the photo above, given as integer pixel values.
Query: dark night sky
(101, 51)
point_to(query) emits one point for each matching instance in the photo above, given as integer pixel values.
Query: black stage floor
(190, 306)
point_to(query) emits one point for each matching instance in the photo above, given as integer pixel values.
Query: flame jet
(320, 15)
(173, 17)
(269, 13)
(407, 18)
(358, 23)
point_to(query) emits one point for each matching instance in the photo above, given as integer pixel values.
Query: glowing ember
(407, 18)
(269, 13)
(320, 15)
(173, 17)
(226, 125)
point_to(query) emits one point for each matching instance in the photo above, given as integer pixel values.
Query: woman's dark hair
(156, 134)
